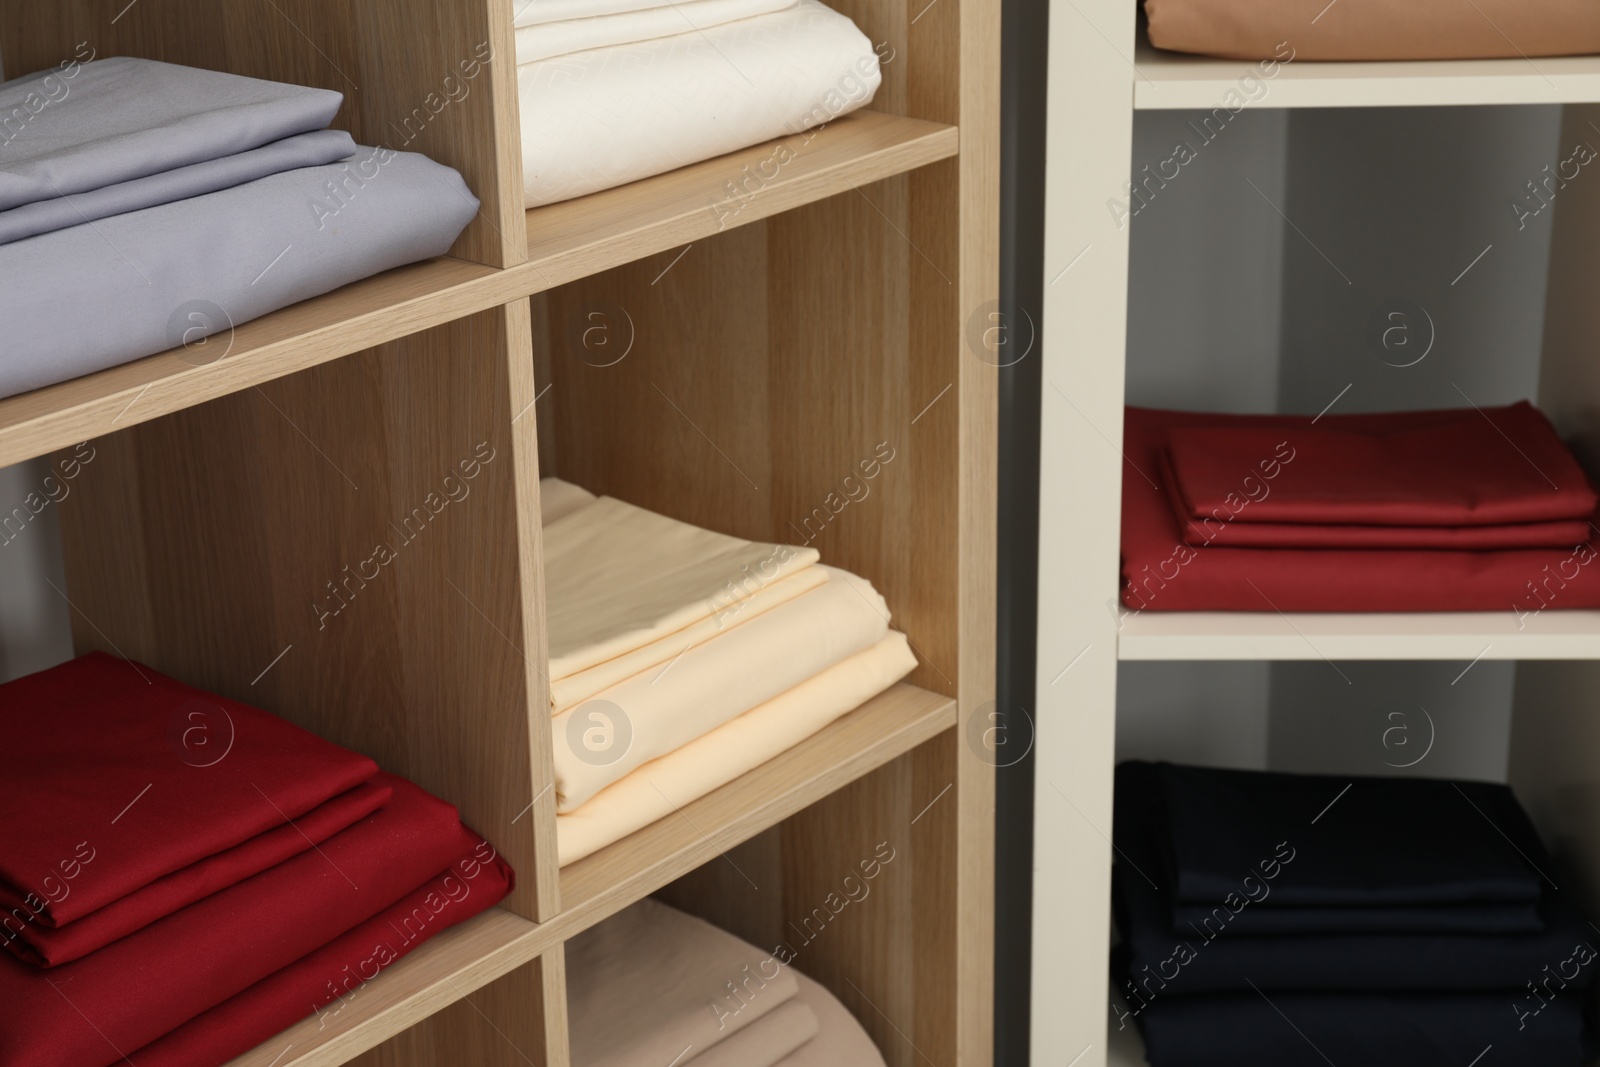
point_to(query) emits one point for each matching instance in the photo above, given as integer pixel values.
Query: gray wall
(1241, 305)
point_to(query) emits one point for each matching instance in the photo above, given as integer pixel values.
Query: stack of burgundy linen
(1456, 510)
(183, 876)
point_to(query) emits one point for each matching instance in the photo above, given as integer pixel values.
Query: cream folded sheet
(605, 117)
(840, 1040)
(619, 578)
(550, 39)
(765, 1042)
(657, 712)
(662, 786)
(644, 988)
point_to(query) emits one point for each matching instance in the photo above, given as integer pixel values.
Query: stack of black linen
(1301, 920)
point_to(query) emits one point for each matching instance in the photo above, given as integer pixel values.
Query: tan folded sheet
(618, 578)
(550, 39)
(766, 1041)
(657, 712)
(1375, 29)
(558, 499)
(661, 786)
(641, 987)
(840, 1040)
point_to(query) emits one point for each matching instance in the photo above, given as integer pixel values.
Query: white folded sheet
(840, 1040)
(661, 787)
(641, 988)
(659, 711)
(558, 499)
(618, 578)
(550, 39)
(765, 1042)
(602, 118)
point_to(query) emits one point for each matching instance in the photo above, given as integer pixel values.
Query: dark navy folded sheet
(84, 126)
(83, 299)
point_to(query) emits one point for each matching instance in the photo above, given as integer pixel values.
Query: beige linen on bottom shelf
(1310, 30)
(662, 786)
(641, 988)
(558, 499)
(767, 1041)
(840, 1040)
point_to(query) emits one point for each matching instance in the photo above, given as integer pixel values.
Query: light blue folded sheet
(90, 297)
(86, 126)
(58, 213)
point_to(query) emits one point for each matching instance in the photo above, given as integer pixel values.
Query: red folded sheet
(50, 946)
(1429, 468)
(332, 978)
(1221, 530)
(161, 776)
(91, 1012)
(1162, 573)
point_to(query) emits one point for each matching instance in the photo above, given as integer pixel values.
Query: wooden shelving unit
(774, 344)
(1084, 342)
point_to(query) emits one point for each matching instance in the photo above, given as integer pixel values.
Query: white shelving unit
(1100, 75)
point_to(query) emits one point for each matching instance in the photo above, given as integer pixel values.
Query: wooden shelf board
(1170, 80)
(451, 966)
(1497, 635)
(887, 726)
(567, 241)
(577, 238)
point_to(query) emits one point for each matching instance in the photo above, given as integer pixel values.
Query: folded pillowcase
(549, 39)
(117, 776)
(1222, 530)
(661, 787)
(1435, 468)
(598, 119)
(840, 1042)
(135, 990)
(686, 985)
(657, 712)
(766, 1041)
(58, 213)
(89, 125)
(51, 946)
(1375, 29)
(172, 275)
(619, 578)
(338, 971)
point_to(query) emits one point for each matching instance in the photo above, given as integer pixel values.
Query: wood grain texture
(570, 239)
(344, 547)
(429, 76)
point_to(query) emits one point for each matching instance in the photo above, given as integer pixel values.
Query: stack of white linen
(681, 658)
(617, 90)
(652, 986)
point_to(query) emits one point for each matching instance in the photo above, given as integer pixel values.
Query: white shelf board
(1173, 81)
(1197, 635)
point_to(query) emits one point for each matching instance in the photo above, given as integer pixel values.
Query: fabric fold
(661, 787)
(51, 946)
(840, 1042)
(619, 578)
(164, 775)
(139, 988)
(656, 713)
(210, 176)
(89, 125)
(602, 118)
(549, 39)
(766, 1041)
(333, 977)
(654, 985)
